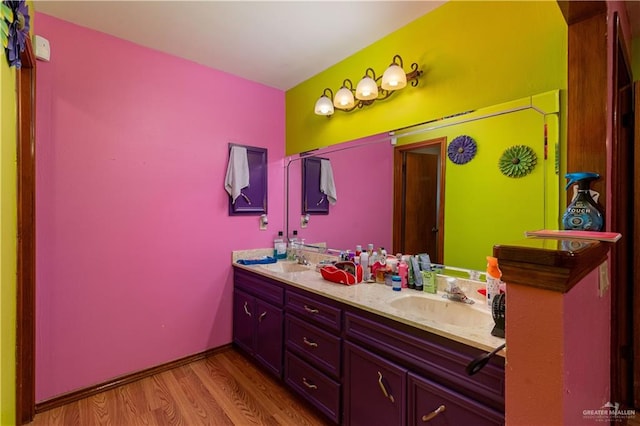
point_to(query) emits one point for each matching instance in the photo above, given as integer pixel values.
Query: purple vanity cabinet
(269, 336)
(374, 391)
(244, 332)
(360, 368)
(429, 402)
(258, 319)
(313, 355)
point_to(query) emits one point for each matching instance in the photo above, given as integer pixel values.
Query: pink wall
(587, 357)
(558, 357)
(363, 214)
(133, 235)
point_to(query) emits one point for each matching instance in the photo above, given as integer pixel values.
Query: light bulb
(344, 99)
(324, 106)
(394, 78)
(367, 89)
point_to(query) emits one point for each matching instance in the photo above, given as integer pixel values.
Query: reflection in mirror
(418, 198)
(479, 205)
(362, 214)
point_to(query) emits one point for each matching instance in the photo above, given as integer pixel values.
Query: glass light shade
(394, 78)
(367, 89)
(324, 106)
(344, 99)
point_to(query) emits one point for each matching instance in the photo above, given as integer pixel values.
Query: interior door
(420, 231)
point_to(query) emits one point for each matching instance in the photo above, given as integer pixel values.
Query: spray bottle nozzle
(579, 177)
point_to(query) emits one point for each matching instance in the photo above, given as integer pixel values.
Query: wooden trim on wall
(621, 219)
(636, 248)
(26, 250)
(535, 263)
(576, 11)
(587, 98)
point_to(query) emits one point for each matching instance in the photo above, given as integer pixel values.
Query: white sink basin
(443, 311)
(286, 267)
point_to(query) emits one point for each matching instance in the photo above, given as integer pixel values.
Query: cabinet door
(269, 336)
(434, 404)
(374, 389)
(243, 323)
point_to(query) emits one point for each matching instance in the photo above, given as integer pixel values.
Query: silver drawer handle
(246, 310)
(261, 317)
(434, 413)
(308, 385)
(311, 310)
(309, 343)
(384, 388)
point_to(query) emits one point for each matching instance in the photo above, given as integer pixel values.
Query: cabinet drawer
(322, 314)
(429, 354)
(320, 348)
(432, 403)
(264, 288)
(313, 385)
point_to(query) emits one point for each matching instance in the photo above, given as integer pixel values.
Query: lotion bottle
(403, 271)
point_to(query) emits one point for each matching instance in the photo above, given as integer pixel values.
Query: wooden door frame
(398, 191)
(636, 249)
(621, 273)
(26, 253)
(587, 114)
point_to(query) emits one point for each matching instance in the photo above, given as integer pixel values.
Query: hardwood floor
(223, 389)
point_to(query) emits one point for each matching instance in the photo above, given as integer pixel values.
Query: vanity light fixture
(369, 89)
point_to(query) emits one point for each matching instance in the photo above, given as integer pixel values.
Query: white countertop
(377, 299)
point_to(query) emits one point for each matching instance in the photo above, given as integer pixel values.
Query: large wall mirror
(455, 212)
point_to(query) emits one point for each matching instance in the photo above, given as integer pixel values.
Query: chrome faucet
(454, 293)
(299, 256)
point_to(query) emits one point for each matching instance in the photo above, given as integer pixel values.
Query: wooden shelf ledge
(548, 263)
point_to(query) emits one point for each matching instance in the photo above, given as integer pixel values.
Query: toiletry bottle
(293, 245)
(364, 261)
(429, 280)
(403, 271)
(410, 278)
(493, 279)
(279, 247)
(358, 250)
(583, 213)
(396, 282)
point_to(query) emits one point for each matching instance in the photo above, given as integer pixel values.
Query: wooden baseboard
(123, 380)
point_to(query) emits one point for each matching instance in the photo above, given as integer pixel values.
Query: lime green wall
(483, 206)
(8, 230)
(473, 54)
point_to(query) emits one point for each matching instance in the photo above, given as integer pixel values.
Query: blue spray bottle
(582, 213)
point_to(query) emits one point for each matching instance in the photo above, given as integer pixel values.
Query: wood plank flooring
(223, 389)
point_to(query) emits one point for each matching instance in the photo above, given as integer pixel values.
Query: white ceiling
(276, 43)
